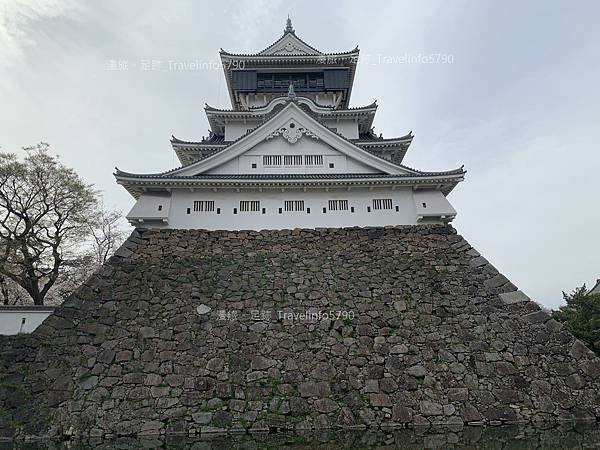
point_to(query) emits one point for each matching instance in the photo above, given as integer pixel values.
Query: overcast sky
(513, 94)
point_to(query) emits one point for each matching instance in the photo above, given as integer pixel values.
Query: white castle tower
(291, 153)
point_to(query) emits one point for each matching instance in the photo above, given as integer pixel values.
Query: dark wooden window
(382, 203)
(249, 205)
(293, 205)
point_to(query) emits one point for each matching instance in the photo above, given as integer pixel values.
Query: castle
(199, 324)
(291, 153)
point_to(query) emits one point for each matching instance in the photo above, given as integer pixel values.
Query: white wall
(154, 207)
(236, 129)
(305, 146)
(11, 319)
(346, 127)
(322, 99)
(273, 199)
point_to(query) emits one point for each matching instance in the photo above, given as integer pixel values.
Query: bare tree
(46, 210)
(107, 234)
(10, 292)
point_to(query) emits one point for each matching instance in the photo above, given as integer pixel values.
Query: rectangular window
(382, 203)
(313, 160)
(249, 205)
(204, 206)
(338, 205)
(293, 205)
(292, 160)
(271, 160)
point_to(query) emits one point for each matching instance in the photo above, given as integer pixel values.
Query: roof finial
(288, 26)
(291, 93)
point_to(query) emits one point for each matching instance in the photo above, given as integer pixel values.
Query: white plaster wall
(11, 321)
(323, 99)
(236, 129)
(430, 202)
(279, 146)
(273, 199)
(152, 206)
(347, 128)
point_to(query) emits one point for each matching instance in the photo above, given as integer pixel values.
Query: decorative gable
(294, 125)
(289, 44)
(292, 133)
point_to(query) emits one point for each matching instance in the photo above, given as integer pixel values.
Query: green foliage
(581, 316)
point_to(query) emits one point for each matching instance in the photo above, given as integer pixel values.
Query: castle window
(424, 205)
(272, 160)
(292, 160)
(293, 205)
(338, 205)
(313, 160)
(160, 207)
(382, 203)
(331, 165)
(249, 205)
(204, 206)
(189, 210)
(254, 165)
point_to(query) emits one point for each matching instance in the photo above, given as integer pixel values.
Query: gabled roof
(136, 184)
(312, 128)
(288, 51)
(292, 112)
(289, 44)
(217, 117)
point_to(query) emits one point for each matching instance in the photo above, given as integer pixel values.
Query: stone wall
(194, 331)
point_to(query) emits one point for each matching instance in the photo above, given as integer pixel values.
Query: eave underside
(138, 185)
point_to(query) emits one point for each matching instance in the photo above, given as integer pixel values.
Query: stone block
(513, 297)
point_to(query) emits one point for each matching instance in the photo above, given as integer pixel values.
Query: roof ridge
(290, 175)
(332, 110)
(315, 117)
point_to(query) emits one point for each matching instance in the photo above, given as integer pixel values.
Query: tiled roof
(318, 53)
(316, 176)
(266, 119)
(213, 139)
(331, 109)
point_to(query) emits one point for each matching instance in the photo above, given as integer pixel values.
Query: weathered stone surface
(181, 333)
(401, 414)
(380, 400)
(537, 317)
(311, 389)
(417, 371)
(430, 408)
(513, 297)
(325, 405)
